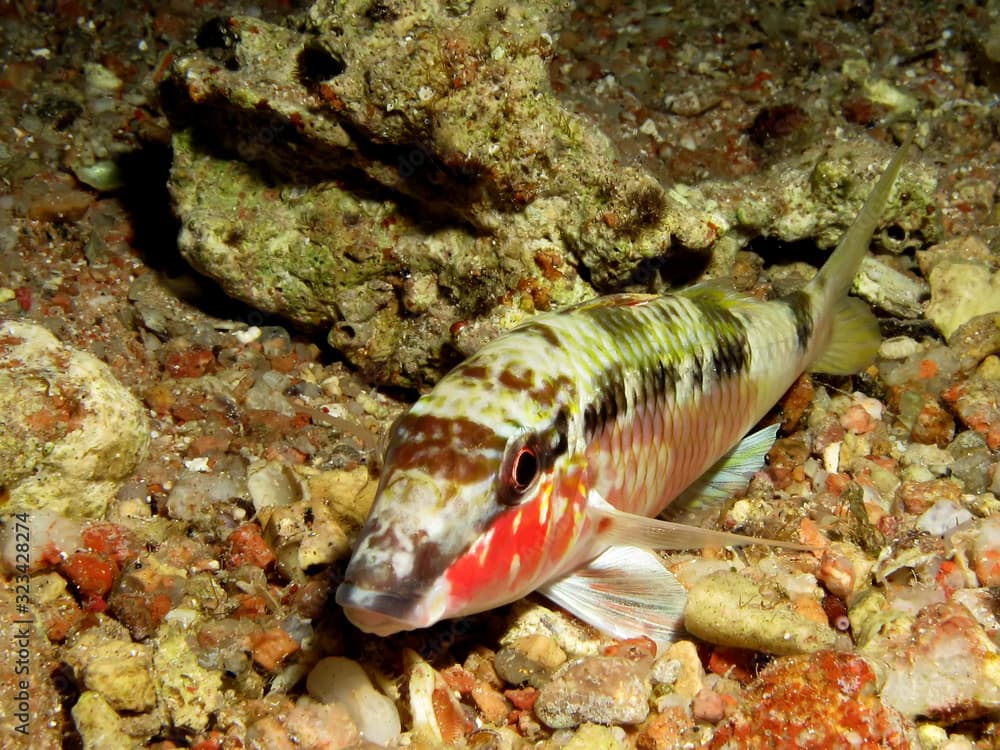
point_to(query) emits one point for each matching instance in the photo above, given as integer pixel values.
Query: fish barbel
(541, 462)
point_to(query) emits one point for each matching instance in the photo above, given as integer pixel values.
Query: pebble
(898, 347)
(730, 609)
(271, 647)
(571, 635)
(118, 670)
(188, 692)
(985, 552)
(844, 569)
(52, 198)
(272, 483)
(490, 702)
(437, 718)
(976, 339)
(600, 689)
(932, 425)
(941, 517)
(959, 293)
(339, 680)
(918, 497)
(946, 668)
(70, 433)
(597, 737)
(529, 659)
(665, 671)
(973, 461)
(892, 291)
(976, 401)
(822, 700)
(957, 250)
(195, 491)
(690, 673)
(921, 463)
(305, 725)
(99, 726)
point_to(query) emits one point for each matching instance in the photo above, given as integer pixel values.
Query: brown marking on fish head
(457, 449)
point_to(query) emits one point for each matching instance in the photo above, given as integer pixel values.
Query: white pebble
(942, 516)
(339, 680)
(250, 334)
(27, 539)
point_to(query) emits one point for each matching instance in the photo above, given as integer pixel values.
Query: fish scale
(542, 460)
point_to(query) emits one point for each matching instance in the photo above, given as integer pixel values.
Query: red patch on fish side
(536, 544)
(477, 569)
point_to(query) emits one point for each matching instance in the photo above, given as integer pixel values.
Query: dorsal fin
(622, 299)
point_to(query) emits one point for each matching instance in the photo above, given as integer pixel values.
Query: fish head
(475, 508)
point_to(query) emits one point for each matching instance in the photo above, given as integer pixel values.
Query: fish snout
(393, 581)
(386, 613)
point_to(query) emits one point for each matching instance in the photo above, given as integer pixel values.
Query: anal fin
(730, 473)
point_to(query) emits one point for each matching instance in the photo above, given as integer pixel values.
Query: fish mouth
(384, 613)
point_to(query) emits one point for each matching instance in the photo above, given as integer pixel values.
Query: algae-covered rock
(945, 667)
(69, 431)
(403, 176)
(100, 727)
(402, 170)
(729, 609)
(188, 691)
(115, 668)
(961, 292)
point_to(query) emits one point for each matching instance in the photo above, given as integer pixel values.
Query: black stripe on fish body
(730, 349)
(627, 382)
(728, 354)
(698, 373)
(609, 402)
(800, 305)
(659, 380)
(671, 321)
(731, 354)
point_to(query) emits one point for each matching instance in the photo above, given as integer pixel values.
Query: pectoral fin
(618, 527)
(625, 592)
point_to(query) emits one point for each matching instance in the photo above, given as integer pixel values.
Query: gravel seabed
(192, 606)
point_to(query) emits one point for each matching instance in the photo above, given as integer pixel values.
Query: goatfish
(542, 461)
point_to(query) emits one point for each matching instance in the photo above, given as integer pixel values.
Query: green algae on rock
(404, 176)
(390, 196)
(730, 609)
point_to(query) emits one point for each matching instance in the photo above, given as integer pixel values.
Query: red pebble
(246, 546)
(23, 296)
(634, 649)
(522, 698)
(735, 663)
(92, 574)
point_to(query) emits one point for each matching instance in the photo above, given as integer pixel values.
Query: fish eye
(521, 469)
(524, 469)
